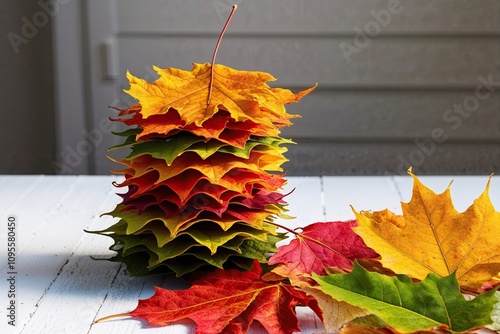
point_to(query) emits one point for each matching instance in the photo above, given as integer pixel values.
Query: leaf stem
(112, 316)
(283, 227)
(215, 53)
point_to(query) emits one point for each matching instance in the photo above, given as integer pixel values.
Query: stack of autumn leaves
(204, 172)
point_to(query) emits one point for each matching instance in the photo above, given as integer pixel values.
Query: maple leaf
(170, 148)
(373, 325)
(183, 254)
(227, 300)
(245, 95)
(213, 168)
(318, 246)
(315, 249)
(432, 236)
(192, 183)
(221, 126)
(408, 306)
(206, 228)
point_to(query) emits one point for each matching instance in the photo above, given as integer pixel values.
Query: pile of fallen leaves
(429, 270)
(203, 177)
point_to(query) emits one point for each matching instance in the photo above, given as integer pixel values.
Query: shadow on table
(82, 275)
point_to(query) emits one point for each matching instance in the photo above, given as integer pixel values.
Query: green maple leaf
(212, 236)
(408, 306)
(260, 143)
(170, 148)
(166, 149)
(238, 252)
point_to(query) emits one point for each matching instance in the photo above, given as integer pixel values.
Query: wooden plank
(360, 192)
(49, 235)
(372, 158)
(302, 61)
(15, 189)
(313, 16)
(32, 209)
(34, 200)
(395, 116)
(66, 298)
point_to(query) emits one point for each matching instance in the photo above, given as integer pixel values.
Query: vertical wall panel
(27, 142)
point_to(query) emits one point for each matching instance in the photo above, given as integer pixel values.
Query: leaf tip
(489, 181)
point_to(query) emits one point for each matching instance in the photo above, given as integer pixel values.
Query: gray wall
(397, 79)
(396, 100)
(27, 142)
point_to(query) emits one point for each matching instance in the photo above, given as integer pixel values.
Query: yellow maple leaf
(214, 167)
(432, 236)
(245, 95)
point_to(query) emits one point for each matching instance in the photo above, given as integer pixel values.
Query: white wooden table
(60, 289)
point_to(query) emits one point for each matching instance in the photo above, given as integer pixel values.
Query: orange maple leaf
(245, 95)
(432, 236)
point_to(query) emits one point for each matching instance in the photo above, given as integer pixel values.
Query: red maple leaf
(321, 245)
(227, 301)
(221, 126)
